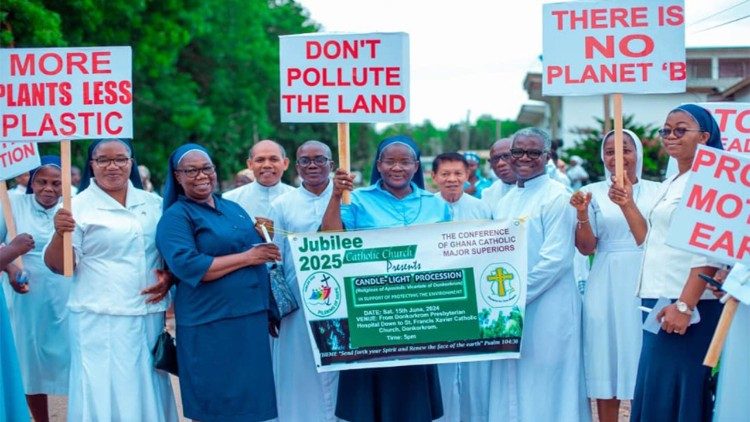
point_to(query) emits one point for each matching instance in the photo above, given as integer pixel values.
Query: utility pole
(465, 132)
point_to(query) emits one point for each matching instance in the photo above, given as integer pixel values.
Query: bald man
(268, 161)
(499, 157)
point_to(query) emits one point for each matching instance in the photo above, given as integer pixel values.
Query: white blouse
(665, 268)
(115, 252)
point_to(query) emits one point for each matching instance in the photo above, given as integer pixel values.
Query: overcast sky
(472, 55)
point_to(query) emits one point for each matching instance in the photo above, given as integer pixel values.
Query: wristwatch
(683, 307)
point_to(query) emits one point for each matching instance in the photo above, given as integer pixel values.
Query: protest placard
(614, 47)
(17, 158)
(447, 292)
(714, 213)
(57, 94)
(64, 94)
(734, 122)
(344, 77)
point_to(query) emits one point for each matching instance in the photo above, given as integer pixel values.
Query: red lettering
(675, 16)
(18, 68)
(734, 201)
(744, 248)
(677, 71)
(76, 59)
(57, 64)
(553, 72)
(703, 157)
(740, 123)
(126, 93)
(10, 121)
(113, 130)
(698, 233)
(699, 202)
(99, 59)
(725, 241)
(729, 165)
(292, 74)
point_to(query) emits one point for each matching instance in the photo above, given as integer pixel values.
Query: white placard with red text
(17, 158)
(630, 46)
(714, 214)
(344, 78)
(56, 94)
(734, 123)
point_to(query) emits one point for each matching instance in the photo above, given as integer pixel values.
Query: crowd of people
(135, 252)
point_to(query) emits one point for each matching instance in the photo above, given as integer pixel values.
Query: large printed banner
(734, 122)
(434, 293)
(17, 158)
(714, 214)
(341, 78)
(57, 94)
(630, 46)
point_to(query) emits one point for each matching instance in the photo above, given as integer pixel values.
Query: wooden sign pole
(343, 135)
(67, 236)
(10, 223)
(619, 161)
(722, 329)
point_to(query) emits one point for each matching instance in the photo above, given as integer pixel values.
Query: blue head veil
(172, 188)
(418, 178)
(706, 122)
(88, 171)
(47, 160)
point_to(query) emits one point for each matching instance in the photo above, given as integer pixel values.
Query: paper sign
(55, 94)
(734, 123)
(17, 158)
(714, 213)
(614, 47)
(344, 78)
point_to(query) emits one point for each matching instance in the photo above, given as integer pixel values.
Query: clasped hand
(672, 320)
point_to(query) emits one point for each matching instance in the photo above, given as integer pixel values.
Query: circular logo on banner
(500, 285)
(321, 294)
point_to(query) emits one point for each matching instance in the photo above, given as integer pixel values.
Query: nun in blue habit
(222, 295)
(395, 198)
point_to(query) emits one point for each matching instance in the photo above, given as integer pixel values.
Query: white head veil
(638, 154)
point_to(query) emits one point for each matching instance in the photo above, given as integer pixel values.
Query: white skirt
(112, 377)
(612, 330)
(40, 327)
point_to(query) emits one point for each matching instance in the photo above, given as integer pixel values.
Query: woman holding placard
(221, 305)
(611, 318)
(395, 198)
(40, 316)
(119, 292)
(672, 383)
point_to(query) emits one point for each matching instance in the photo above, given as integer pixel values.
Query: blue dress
(406, 393)
(223, 351)
(12, 398)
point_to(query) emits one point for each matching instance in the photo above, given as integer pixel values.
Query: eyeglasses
(193, 172)
(320, 160)
(105, 162)
(504, 156)
(679, 132)
(400, 163)
(531, 153)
